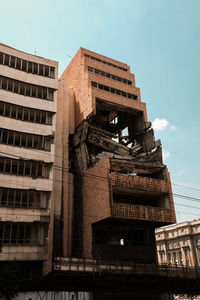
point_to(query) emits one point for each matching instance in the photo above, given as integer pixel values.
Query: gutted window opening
(26, 140)
(122, 237)
(111, 76)
(26, 89)
(105, 62)
(141, 198)
(119, 123)
(22, 233)
(113, 90)
(30, 168)
(121, 134)
(26, 66)
(157, 175)
(123, 241)
(23, 198)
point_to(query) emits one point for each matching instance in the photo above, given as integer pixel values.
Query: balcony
(144, 213)
(141, 198)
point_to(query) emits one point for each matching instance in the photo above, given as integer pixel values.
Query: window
(170, 246)
(21, 139)
(26, 89)
(105, 62)
(122, 242)
(24, 167)
(23, 198)
(169, 258)
(27, 66)
(180, 257)
(113, 90)
(161, 258)
(22, 233)
(133, 198)
(175, 258)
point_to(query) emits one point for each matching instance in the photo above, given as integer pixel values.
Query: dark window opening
(26, 89)
(141, 198)
(121, 237)
(16, 138)
(113, 90)
(25, 113)
(8, 166)
(108, 75)
(22, 233)
(24, 168)
(105, 62)
(24, 198)
(26, 66)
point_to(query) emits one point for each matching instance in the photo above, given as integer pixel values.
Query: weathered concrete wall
(28, 215)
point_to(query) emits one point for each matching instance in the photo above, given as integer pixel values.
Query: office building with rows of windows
(179, 244)
(28, 104)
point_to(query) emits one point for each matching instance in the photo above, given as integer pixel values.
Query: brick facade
(115, 202)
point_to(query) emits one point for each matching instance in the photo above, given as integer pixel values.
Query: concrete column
(63, 186)
(193, 251)
(67, 177)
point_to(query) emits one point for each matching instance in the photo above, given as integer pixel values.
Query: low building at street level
(179, 244)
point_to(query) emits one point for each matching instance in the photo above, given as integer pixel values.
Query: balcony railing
(139, 212)
(69, 264)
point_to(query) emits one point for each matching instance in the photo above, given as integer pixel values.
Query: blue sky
(159, 39)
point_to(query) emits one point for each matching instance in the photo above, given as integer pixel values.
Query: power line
(52, 155)
(186, 197)
(100, 177)
(187, 187)
(180, 204)
(92, 175)
(187, 205)
(182, 212)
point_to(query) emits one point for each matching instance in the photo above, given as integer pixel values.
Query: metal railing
(69, 264)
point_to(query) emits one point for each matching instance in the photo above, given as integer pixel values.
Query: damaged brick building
(81, 174)
(122, 189)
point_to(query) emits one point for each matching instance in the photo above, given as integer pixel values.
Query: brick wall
(96, 200)
(93, 187)
(137, 212)
(76, 75)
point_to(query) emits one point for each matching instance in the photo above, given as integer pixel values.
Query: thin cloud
(173, 127)
(179, 173)
(166, 154)
(159, 124)
(162, 124)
